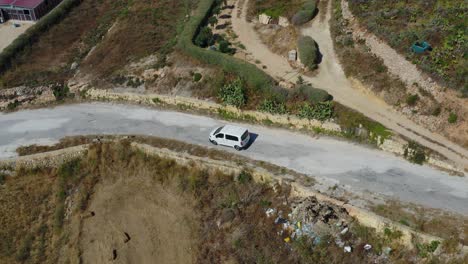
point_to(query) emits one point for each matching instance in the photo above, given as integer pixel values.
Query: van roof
(233, 130)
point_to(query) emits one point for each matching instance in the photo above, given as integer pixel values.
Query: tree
(212, 21)
(204, 38)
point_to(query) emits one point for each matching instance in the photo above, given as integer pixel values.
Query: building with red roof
(30, 10)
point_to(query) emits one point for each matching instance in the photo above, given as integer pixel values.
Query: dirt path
(331, 78)
(8, 32)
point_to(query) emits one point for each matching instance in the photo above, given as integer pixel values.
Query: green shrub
(309, 94)
(197, 77)
(320, 111)
(2, 178)
(61, 92)
(273, 107)
(212, 21)
(244, 177)
(204, 38)
(425, 249)
(308, 51)
(233, 93)
(13, 105)
(412, 99)
(253, 76)
(225, 47)
(415, 153)
(308, 11)
(452, 118)
(31, 35)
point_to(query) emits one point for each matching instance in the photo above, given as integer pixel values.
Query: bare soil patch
(8, 32)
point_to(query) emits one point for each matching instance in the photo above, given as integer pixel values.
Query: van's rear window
(244, 136)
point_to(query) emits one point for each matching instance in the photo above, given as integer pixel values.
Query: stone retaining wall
(47, 159)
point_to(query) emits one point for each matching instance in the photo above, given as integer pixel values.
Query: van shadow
(253, 137)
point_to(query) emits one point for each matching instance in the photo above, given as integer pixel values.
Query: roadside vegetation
(453, 228)
(442, 24)
(274, 8)
(359, 63)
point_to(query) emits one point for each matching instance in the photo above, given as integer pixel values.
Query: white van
(231, 136)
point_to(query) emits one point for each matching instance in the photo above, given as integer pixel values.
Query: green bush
(273, 107)
(244, 177)
(302, 17)
(32, 34)
(225, 47)
(308, 51)
(204, 38)
(233, 93)
(415, 153)
(320, 111)
(61, 92)
(308, 11)
(197, 77)
(412, 99)
(248, 72)
(2, 178)
(13, 105)
(309, 94)
(452, 118)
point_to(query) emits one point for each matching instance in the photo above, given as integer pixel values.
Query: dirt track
(331, 78)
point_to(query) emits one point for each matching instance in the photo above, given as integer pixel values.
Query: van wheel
(237, 148)
(214, 142)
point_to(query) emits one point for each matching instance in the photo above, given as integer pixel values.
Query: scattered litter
(317, 240)
(270, 212)
(339, 242)
(348, 249)
(287, 240)
(367, 247)
(344, 231)
(280, 220)
(387, 250)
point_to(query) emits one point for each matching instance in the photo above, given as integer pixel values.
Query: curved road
(331, 78)
(358, 168)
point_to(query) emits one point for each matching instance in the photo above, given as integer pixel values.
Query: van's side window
(233, 138)
(220, 136)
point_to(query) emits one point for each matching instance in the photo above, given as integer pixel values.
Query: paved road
(355, 166)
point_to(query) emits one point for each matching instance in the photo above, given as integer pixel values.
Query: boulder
(264, 19)
(284, 22)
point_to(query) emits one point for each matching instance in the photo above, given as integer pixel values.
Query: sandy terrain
(330, 77)
(137, 221)
(8, 33)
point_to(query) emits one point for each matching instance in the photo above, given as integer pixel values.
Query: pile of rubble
(315, 220)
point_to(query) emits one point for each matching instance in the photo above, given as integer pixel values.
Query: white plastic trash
(367, 247)
(344, 231)
(347, 249)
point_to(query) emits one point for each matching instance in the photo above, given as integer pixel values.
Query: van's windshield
(244, 136)
(217, 130)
